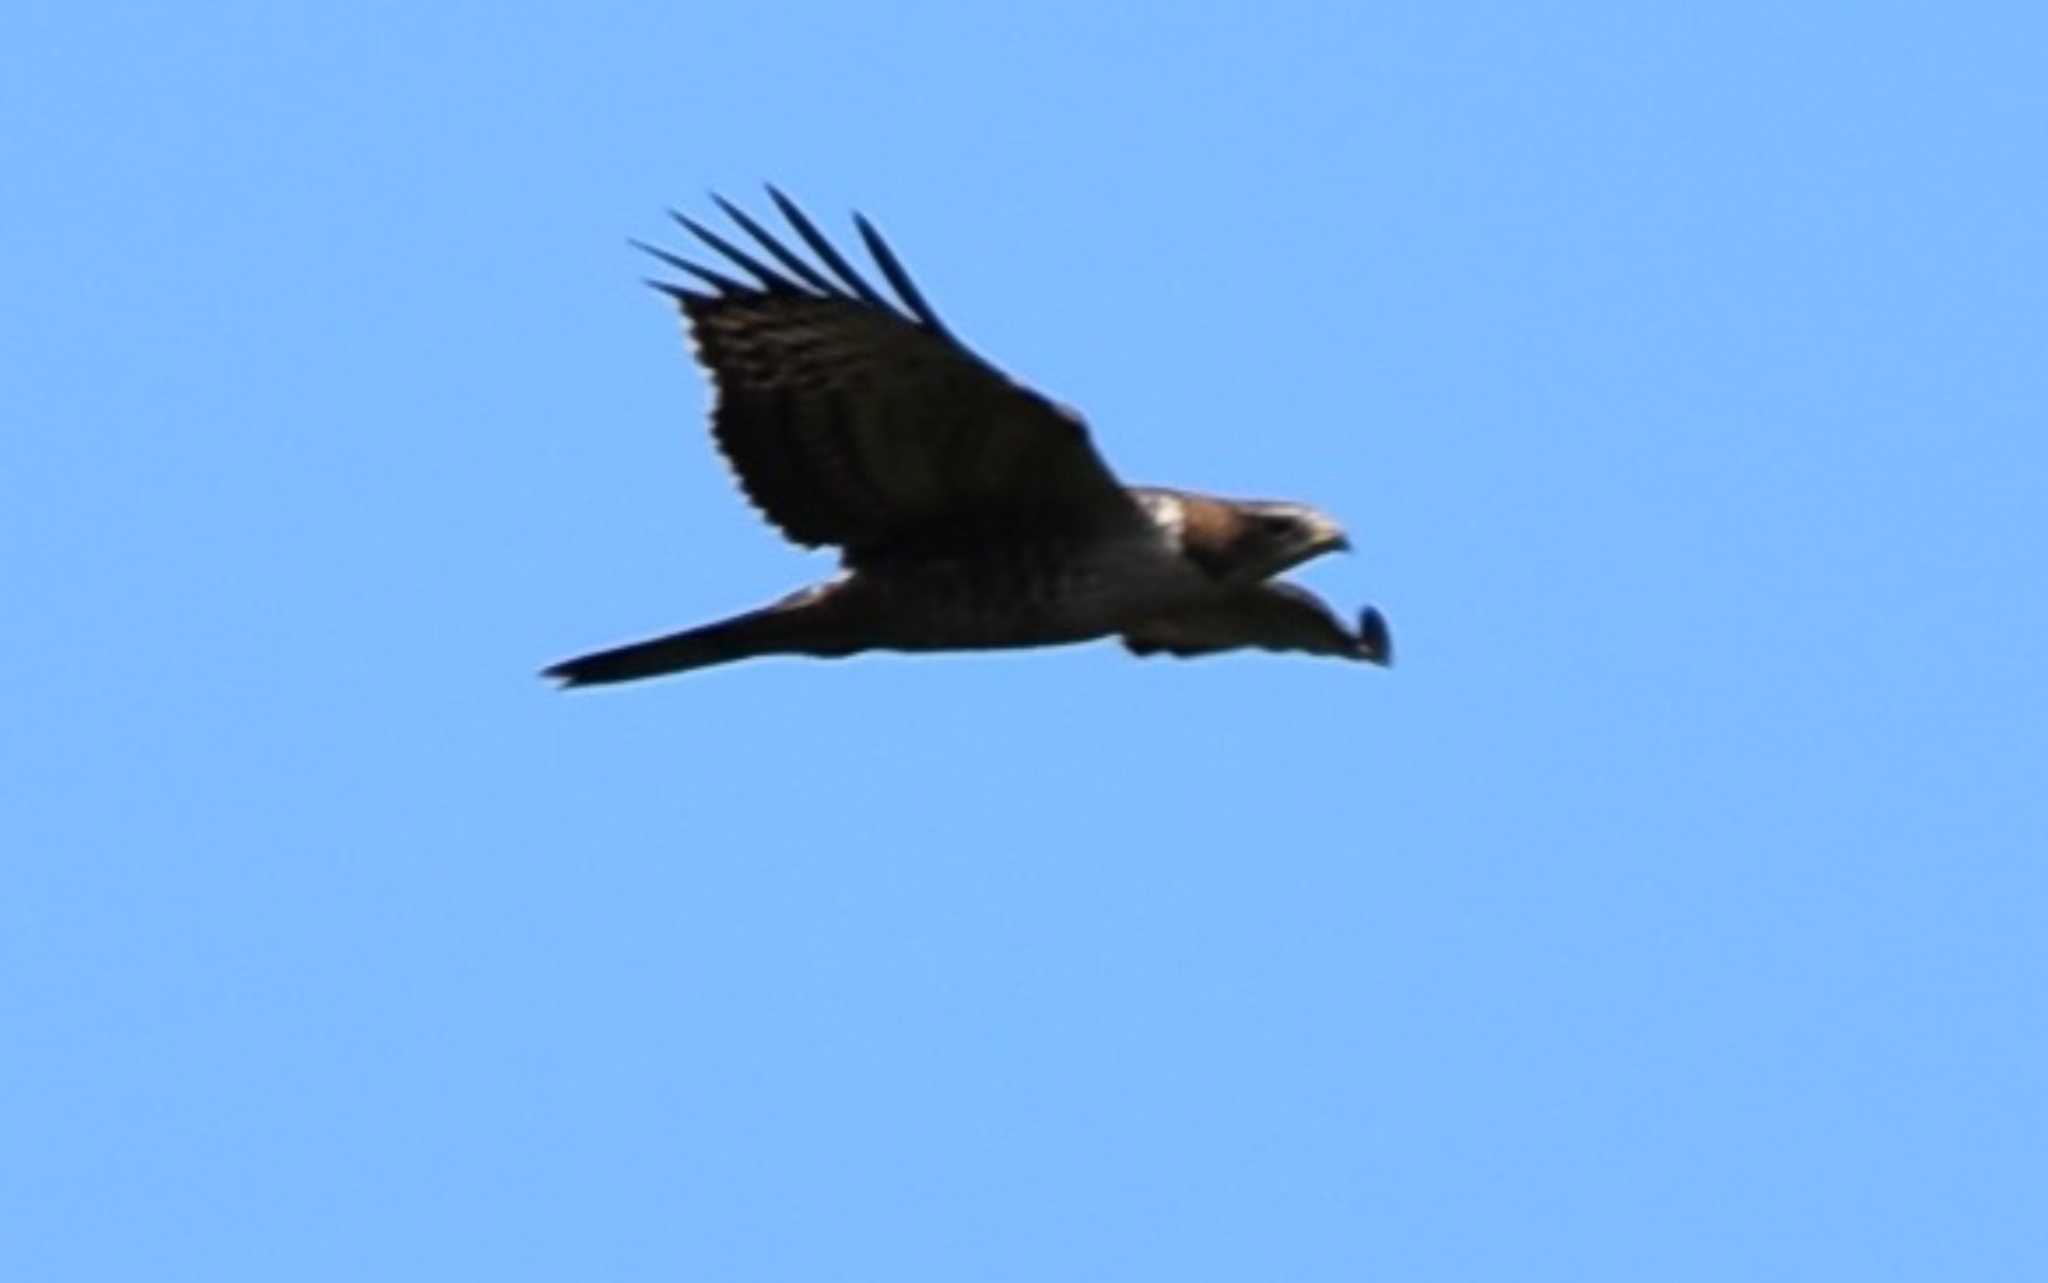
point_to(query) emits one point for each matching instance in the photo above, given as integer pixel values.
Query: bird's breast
(1025, 593)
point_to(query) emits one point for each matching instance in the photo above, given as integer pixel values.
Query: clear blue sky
(1674, 911)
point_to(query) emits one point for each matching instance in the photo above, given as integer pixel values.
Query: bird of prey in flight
(970, 511)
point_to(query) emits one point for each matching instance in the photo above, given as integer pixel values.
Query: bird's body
(1024, 594)
(1023, 591)
(972, 513)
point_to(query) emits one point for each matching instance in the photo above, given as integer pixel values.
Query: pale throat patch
(1168, 513)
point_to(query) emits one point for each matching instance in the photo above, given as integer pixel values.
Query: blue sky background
(1675, 910)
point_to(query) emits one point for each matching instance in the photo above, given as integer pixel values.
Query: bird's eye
(1278, 527)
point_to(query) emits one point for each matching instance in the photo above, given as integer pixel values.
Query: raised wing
(855, 421)
(1271, 616)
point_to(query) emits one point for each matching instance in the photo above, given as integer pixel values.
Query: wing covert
(852, 422)
(1275, 615)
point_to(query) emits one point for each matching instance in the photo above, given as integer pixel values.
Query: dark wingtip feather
(716, 280)
(771, 280)
(899, 279)
(824, 250)
(1375, 643)
(683, 297)
(782, 254)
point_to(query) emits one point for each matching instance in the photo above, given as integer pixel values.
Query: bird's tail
(797, 626)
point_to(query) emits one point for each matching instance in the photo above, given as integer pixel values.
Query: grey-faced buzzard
(970, 512)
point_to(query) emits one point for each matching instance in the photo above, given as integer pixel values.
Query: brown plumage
(1272, 616)
(971, 511)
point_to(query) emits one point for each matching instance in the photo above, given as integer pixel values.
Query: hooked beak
(1330, 536)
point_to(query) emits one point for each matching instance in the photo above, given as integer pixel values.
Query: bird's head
(1271, 536)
